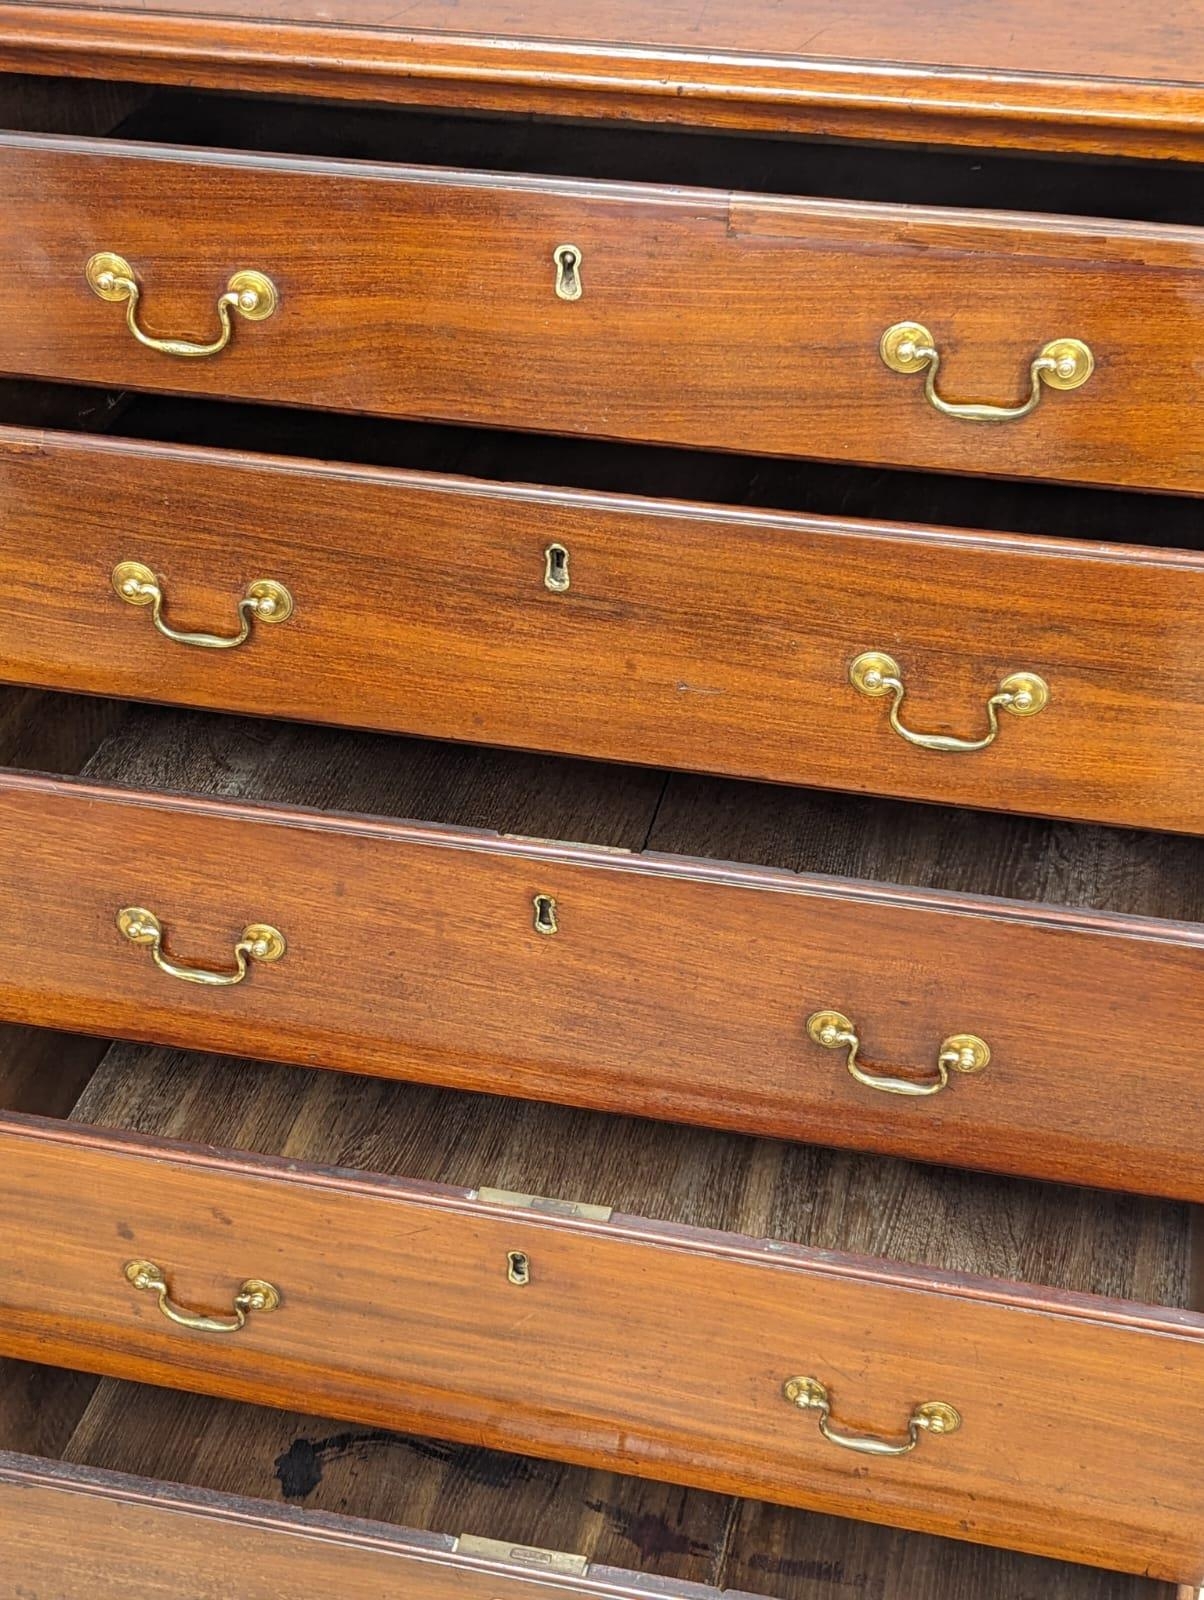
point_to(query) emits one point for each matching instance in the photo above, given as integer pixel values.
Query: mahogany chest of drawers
(601, 800)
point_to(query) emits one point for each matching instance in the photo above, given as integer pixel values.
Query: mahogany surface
(1096, 77)
(690, 636)
(732, 321)
(748, 499)
(315, 1483)
(676, 985)
(592, 1361)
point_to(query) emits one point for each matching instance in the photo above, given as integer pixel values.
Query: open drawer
(344, 276)
(414, 581)
(1004, 1362)
(109, 1485)
(993, 992)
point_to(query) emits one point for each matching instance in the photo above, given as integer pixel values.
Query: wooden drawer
(698, 637)
(195, 1493)
(639, 972)
(707, 318)
(555, 1327)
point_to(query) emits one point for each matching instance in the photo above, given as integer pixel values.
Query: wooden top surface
(1077, 74)
(1088, 38)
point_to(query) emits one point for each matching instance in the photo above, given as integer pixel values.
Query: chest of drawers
(601, 771)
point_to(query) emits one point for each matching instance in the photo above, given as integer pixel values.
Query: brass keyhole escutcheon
(545, 915)
(568, 272)
(556, 569)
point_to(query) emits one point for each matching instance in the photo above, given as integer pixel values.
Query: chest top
(1095, 75)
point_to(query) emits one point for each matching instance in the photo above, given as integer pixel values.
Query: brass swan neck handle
(248, 294)
(908, 347)
(1021, 694)
(256, 1294)
(930, 1416)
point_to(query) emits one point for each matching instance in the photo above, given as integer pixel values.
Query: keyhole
(568, 271)
(545, 914)
(556, 568)
(518, 1267)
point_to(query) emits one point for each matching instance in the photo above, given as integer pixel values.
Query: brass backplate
(273, 602)
(257, 295)
(135, 583)
(139, 925)
(827, 1023)
(937, 1416)
(868, 672)
(900, 343)
(971, 1053)
(1029, 692)
(1073, 363)
(807, 1393)
(102, 272)
(264, 943)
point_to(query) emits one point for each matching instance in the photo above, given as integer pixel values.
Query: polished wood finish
(671, 979)
(73, 1531)
(304, 1465)
(593, 1362)
(80, 1535)
(733, 321)
(699, 637)
(1093, 78)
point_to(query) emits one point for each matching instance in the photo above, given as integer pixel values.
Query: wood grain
(1055, 79)
(1073, 1240)
(691, 636)
(1150, 191)
(728, 321)
(40, 1409)
(593, 1362)
(76, 1535)
(41, 104)
(664, 1533)
(678, 987)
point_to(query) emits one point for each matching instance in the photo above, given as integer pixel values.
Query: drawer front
(1076, 1415)
(76, 1534)
(704, 318)
(702, 639)
(671, 988)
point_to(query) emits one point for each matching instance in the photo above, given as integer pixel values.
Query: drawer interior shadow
(1142, 190)
(616, 807)
(814, 488)
(671, 1534)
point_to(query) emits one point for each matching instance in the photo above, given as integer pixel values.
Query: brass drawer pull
(254, 1295)
(963, 1052)
(249, 293)
(875, 674)
(1062, 364)
(265, 600)
(933, 1416)
(259, 942)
